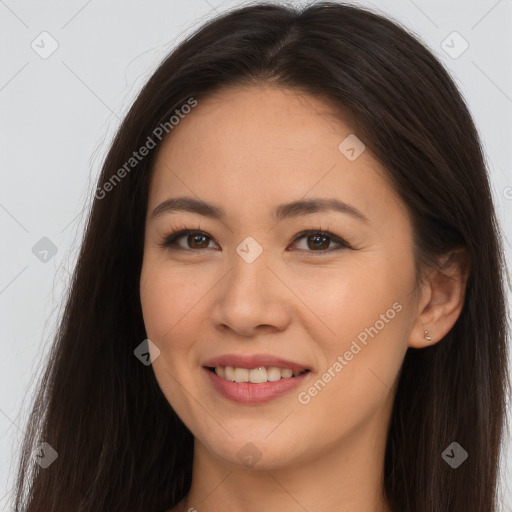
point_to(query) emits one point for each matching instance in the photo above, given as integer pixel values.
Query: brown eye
(194, 240)
(319, 241)
(197, 241)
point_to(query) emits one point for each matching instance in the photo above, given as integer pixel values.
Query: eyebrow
(282, 211)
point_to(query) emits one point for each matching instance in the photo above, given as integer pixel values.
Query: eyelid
(181, 231)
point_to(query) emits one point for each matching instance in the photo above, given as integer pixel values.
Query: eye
(321, 240)
(316, 241)
(194, 240)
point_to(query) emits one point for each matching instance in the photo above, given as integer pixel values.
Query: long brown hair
(120, 445)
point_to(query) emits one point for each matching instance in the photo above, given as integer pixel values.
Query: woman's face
(247, 286)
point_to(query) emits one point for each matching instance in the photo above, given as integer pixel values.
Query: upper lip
(254, 361)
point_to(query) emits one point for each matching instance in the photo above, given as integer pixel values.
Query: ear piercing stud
(427, 335)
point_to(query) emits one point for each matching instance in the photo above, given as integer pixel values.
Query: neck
(347, 477)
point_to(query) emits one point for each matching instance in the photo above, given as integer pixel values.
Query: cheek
(361, 365)
(166, 301)
(167, 297)
(366, 314)
(342, 302)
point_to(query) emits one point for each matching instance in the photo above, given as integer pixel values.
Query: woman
(290, 291)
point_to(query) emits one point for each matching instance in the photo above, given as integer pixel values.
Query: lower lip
(248, 393)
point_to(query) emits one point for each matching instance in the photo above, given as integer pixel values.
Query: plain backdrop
(68, 73)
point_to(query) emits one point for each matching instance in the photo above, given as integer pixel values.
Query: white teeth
(255, 375)
(241, 375)
(229, 372)
(286, 374)
(258, 375)
(273, 374)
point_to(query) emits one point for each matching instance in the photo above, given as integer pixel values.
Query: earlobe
(441, 301)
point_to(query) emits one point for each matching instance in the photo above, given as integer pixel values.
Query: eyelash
(169, 242)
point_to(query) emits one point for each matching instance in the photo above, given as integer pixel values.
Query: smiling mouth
(259, 375)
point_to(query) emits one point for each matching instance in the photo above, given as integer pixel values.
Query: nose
(251, 299)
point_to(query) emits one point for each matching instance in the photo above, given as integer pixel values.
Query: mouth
(254, 386)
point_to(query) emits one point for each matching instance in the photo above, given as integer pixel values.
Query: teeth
(286, 374)
(229, 372)
(273, 374)
(241, 375)
(258, 375)
(255, 375)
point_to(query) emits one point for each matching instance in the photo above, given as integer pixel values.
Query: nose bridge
(250, 262)
(251, 295)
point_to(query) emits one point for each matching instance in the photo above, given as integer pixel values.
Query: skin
(248, 149)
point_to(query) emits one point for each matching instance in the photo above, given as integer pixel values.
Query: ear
(441, 299)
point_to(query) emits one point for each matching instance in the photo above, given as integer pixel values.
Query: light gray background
(57, 116)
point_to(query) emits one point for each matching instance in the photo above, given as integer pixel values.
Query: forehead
(259, 145)
(254, 121)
